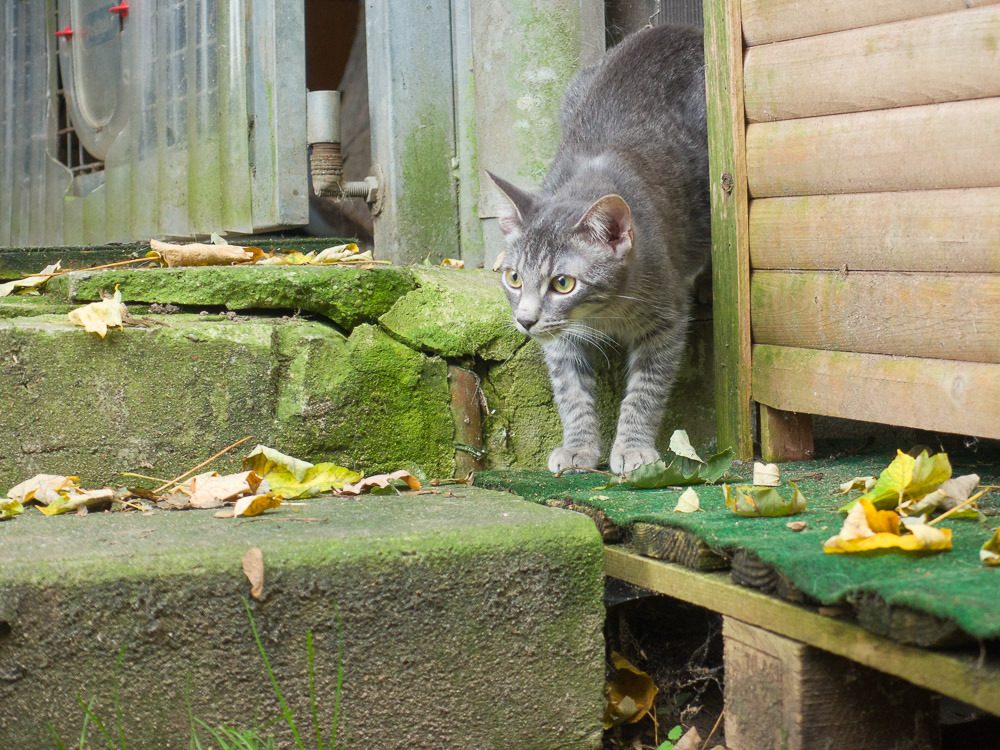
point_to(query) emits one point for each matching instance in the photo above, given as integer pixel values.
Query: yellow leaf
(907, 478)
(98, 317)
(862, 484)
(12, 287)
(754, 502)
(290, 478)
(338, 254)
(867, 529)
(43, 488)
(452, 263)
(990, 552)
(880, 520)
(9, 508)
(74, 499)
(630, 694)
(688, 502)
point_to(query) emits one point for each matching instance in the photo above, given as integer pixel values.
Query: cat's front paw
(563, 458)
(624, 459)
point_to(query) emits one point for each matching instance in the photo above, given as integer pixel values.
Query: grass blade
(118, 708)
(340, 678)
(93, 718)
(289, 718)
(52, 731)
(312, 690)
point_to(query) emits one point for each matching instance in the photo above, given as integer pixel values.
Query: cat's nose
(526, 322)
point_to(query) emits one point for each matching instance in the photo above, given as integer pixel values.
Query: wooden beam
(961, 676)
(950, 145)
(929, 394)
(774, 20)
(785, 435)
(875, 67)
(922, 230)
(784, 695)
(730, 244)
(944, 316)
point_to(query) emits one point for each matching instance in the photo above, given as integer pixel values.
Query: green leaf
(675, 733)
(290, 477)
(755, 502)
(907, 478)
(10, 507)
(680, 470)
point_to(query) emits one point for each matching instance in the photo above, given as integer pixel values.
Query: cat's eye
(563, 284)
(513, 278)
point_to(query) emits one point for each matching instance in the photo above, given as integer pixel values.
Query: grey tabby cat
(604, 256)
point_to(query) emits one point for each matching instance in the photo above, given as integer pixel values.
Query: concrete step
(471, 621)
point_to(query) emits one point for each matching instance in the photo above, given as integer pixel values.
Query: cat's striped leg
(572, 380)
(651, 368)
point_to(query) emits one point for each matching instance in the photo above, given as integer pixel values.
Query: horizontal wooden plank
(949, 145)
(922, 230)
(940, 58)
(930, 394)
(775, 20)
(958, 676)
(942, 316)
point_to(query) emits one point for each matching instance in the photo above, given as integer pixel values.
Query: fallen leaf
(452, 263)
(690, 741)
(98, 317)
(907, 478)
(862, 484)
(796, 525)
(756, 502)
(210, 490)
(990, 552)
(74, 499)
(43, 488)
(498, 262)
(201, 254)
(766, 475)
(681, 445)
(253, 568)
(382, 481)
(342, 253)
(688, 502)
(629, 695)
(30, 282)
(290, 478)
(10, 508)
(867, 529)
(950, 493)
(680, 470)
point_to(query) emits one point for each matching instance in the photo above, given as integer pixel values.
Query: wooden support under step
(784, 695)
(785, 435)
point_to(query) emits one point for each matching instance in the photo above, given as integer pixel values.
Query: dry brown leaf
(630, 694)
(796, 525)
(382, 481)
(691, 740)
(766, 475)
(210, 490)
(201, 254)
(253, 568)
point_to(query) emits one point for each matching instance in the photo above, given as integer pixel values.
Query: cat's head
(564, 260)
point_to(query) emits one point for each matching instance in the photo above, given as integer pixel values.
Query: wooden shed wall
(864, 244)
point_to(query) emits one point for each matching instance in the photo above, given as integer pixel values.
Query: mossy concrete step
(471, 621)
(163, 398)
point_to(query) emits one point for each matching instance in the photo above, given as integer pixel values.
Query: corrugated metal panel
(203, 84)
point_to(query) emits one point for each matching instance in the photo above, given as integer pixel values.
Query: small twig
(142, 476)
(958, 507)
(582, 468)
(93, 268)
(712, 733)
(189, 472)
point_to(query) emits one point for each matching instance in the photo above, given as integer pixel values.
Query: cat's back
(651, 83)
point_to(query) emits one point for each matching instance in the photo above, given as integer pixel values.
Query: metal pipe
(325, 159)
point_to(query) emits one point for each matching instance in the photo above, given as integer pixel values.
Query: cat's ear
(518, 205)
(609, 222)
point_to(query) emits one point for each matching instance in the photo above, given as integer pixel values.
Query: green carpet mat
(953, 585)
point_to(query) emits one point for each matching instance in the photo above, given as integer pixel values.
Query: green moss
(347, 296)
(369, 403)
(26, 306)
(427, 204)
(454, 313)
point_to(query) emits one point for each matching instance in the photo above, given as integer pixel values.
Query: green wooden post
(730, 245)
